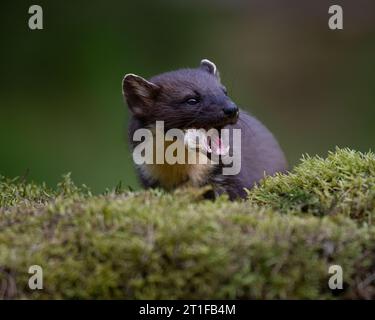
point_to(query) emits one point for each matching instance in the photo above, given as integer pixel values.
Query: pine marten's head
(183, 99)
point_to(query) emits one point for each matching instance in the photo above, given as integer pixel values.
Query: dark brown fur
(166, 97)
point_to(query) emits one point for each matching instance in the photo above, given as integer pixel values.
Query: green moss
(152, 244)
(343, 183)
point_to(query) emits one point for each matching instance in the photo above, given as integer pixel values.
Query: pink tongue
(218, 147)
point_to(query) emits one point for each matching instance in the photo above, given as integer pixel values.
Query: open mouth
(217, 146)
(209, 144)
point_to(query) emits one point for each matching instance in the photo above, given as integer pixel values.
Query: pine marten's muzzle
(231, 113)
(231, 110)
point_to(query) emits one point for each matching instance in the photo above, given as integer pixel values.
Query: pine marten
(196, 99)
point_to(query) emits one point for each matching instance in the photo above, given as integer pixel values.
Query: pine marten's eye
(192, 101)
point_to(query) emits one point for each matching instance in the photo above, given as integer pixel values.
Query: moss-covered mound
(341, 184)
(278, 244)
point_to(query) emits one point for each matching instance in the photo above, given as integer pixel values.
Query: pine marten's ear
(139, 94)
(210, 67)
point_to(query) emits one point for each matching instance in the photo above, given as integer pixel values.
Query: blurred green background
(61, 107)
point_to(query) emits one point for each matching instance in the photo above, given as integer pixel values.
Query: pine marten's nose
(230, 110)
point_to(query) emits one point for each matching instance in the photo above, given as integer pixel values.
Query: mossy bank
(279, 243)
